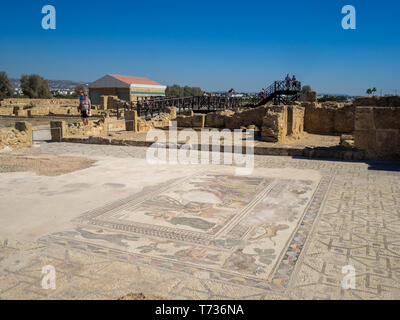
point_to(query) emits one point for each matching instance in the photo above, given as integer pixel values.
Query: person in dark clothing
(294, 82)
(287, 79)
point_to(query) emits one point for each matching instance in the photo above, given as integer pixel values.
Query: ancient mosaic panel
(245, 229)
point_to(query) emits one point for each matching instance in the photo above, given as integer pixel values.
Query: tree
(34, 86)
(5, 85)
(174, 91)
(328, 98)
(371, 91)
(79, 88)
(196, 91)
(186, 91)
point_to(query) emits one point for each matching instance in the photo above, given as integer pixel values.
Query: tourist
(288, 79)
(85, 106)
(294, 82)
(231, 93)
(262, 96)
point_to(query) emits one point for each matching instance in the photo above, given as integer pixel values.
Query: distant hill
(53, 84)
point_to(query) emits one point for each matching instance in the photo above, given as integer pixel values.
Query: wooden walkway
(280, 92)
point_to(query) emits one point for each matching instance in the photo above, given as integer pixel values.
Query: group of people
(291, 83)
(85, 106)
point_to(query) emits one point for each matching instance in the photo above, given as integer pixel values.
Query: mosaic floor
(284, 232)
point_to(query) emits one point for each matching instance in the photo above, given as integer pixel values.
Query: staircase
(281, 92)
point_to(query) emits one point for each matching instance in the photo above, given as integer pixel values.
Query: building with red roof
(127, 88)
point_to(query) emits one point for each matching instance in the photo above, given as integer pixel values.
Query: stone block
(387, 141)
(344, 120)
(58, 130)
(184, 121)
(386, 118)
(365, 139)
(131, 120)
(172, 112)
(274, 127)
(364, 119)
(198, 120)
(389, 101)
(26, 127)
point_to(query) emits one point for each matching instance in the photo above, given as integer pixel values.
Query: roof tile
(135, 80)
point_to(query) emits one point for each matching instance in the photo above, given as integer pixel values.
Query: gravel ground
(44, 164)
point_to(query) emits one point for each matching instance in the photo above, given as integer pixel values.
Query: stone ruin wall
(16, 138)
(61, 129)
(377, 131)
(387, 101)
(111, 103)
(370, 124)
(39, 102)
(328, 118)
(21, 107)
(275, 123)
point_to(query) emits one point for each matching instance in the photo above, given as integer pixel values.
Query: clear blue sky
(212, 44)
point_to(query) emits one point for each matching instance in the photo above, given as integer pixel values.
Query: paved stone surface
(200, 232)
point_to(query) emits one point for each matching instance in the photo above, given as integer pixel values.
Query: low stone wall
(329, 119)
(60, 129)
(217, 119)
(111, 103)
(274, 126)
(276, 122)
(34, 111)
(6, 111)
(389, 101)
(194, 121)
(283, 123)
(225, 119)
(137, 124)
(247, 117)
(41, 107)
(377, 131)
(18, 137)
(38, 102)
